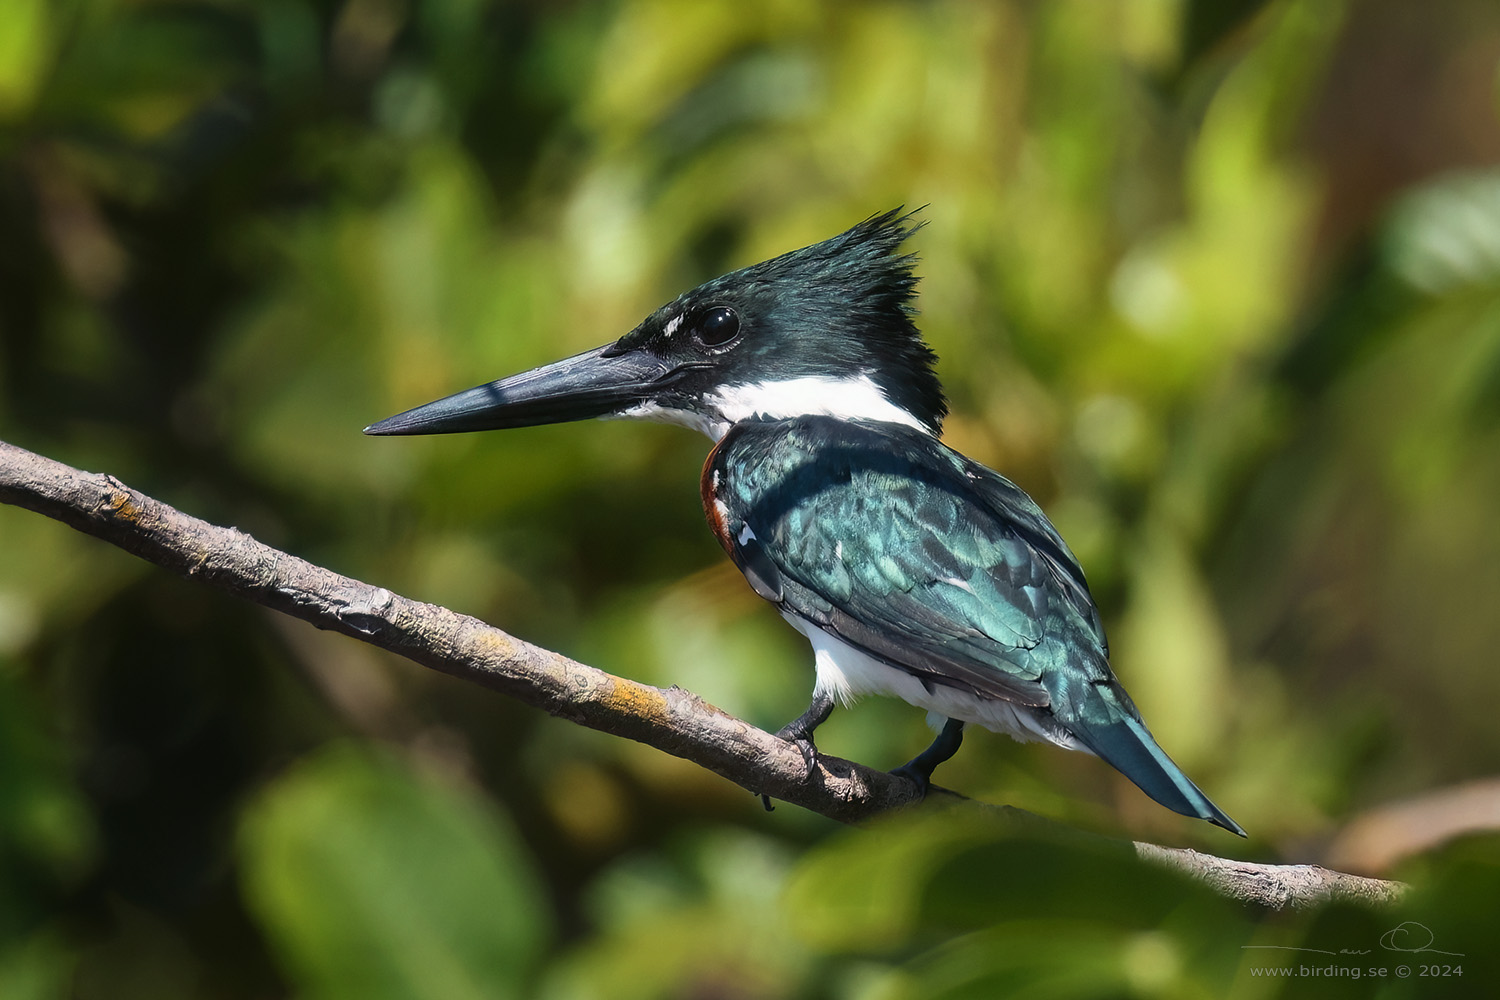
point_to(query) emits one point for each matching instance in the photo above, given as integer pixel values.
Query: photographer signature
(1408, 936)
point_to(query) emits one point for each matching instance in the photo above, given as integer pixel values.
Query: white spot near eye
(672, 325)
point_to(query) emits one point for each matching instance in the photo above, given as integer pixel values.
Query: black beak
(595, 383)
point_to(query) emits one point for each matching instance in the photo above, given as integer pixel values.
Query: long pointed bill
(592, 384)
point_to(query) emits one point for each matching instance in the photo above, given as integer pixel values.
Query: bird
(912, 570)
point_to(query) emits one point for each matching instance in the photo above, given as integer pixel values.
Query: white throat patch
(857, 398)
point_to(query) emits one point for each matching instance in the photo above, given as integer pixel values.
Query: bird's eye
(717, 327)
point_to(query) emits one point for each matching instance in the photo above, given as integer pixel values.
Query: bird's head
(823, 330)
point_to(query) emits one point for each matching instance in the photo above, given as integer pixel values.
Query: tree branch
(673, 720)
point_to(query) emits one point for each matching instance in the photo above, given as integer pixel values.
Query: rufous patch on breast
(713, 508)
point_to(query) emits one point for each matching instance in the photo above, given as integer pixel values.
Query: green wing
(908, 551)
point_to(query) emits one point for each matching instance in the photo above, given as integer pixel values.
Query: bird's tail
(1110, 726)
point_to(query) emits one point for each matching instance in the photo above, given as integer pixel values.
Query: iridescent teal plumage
(912, 570)
(934, 565)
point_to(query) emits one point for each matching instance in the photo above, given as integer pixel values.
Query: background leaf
(377, 881)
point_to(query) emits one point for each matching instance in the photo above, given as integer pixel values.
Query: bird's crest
(852, 297)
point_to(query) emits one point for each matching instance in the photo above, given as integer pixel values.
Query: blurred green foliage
(1219, 283)
(421, 893)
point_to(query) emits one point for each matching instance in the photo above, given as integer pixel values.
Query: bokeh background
(1217, 282)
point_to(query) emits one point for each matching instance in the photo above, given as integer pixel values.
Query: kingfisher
(912, 570)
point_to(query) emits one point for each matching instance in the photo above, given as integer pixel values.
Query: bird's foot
(804, 744)
(915, 772)
(919, 769)
(800, 730)
(800, 733)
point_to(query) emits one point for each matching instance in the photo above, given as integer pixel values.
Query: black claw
(800, 732)
(919, 769)
(808, 748)
(809, 759)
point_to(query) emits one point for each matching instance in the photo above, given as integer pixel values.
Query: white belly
(845, 673)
